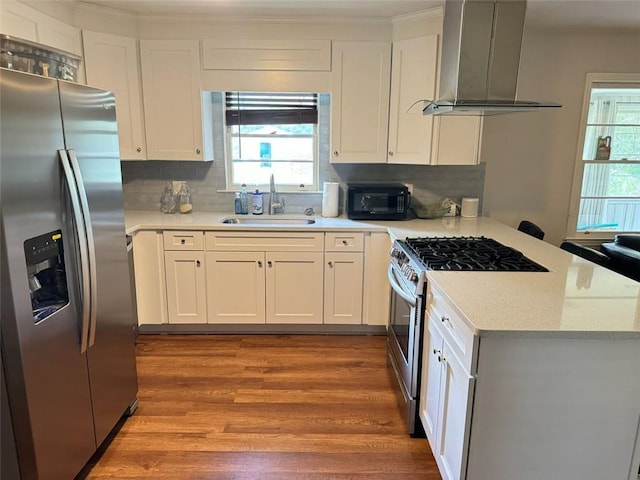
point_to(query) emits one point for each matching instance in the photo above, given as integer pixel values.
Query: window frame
(229, 161)
(572, 232)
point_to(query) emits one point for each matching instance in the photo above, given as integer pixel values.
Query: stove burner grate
(470, 254)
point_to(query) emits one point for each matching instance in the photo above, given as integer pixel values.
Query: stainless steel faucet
(275, 200)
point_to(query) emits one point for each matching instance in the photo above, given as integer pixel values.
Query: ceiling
(619, 14)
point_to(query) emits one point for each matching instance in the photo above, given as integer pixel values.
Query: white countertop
(576, 298)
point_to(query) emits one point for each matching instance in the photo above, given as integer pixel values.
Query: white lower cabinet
(185, 276)
(343, 288)
(186, 291)
(446, 392)
(294, 287)
(235, 287)
(265, 277)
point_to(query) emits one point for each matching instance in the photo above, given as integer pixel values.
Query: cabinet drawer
(453, 328)
(187, 240)
(265, 241)
(343, 242)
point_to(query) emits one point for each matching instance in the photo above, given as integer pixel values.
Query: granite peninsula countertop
(575, 299)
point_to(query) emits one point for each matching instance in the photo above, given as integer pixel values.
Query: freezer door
(91, 137)
(46, 375)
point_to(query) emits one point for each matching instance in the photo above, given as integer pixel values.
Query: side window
(271, 133)
(606, 190)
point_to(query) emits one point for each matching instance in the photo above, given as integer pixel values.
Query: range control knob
(414, 277)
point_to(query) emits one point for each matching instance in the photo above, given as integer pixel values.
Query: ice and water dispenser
(44, 256)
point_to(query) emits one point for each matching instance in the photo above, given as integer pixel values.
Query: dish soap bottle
(237, 204)
(184, 199)
(168, 199)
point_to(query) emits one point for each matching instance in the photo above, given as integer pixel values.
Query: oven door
(403, 334)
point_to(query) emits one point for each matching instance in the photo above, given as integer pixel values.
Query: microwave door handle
(81, 241)
(398, 289)
(91, 249)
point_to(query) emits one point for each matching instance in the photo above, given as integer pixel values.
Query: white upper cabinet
(360, 79)
(24, 22)
(456, 140)
(111, 62)
(413, 67)
(173, 102)
(21, 21)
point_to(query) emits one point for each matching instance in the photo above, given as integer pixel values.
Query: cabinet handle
(183, 241)
(198, 151)
(197, 263)
(344, 242)
(259, 263)
(335, 153)
(390, 153)
(435, 351)
(446, 321)
(269, 264)
(139, 149)
(330, 264)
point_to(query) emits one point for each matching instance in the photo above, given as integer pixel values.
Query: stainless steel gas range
(410, 261)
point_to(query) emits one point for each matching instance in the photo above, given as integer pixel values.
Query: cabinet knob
(330, 264)
(198, 151)
(197, 263)
(183, 241)
(269, 264)
(335, 153)
(390, 153)
(344, 242)
(445, 320)
(139, 149)
(259, 264)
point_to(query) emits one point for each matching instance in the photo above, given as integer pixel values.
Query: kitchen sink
(267, 221)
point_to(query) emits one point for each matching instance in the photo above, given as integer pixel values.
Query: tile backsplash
(143, 183)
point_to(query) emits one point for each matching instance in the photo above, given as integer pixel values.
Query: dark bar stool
(531, 228)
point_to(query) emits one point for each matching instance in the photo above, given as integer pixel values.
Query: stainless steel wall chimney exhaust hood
(481, 43)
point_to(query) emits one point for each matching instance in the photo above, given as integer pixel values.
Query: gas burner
(469, 254)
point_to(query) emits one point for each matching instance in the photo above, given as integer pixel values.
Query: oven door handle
(410, 299)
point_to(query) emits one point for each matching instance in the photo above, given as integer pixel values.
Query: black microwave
(377, 201)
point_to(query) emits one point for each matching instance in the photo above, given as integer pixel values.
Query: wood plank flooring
(264, 407)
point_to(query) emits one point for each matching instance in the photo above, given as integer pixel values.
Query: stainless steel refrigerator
(67, 321)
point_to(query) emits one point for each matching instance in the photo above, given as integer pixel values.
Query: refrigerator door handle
(82, 245)
(91, 249)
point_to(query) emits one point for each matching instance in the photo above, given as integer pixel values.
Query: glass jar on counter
(168, 199)
(184, 199)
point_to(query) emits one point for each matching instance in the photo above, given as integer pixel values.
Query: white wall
(530, 157)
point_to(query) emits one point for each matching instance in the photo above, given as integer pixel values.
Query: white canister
(330, 195)
(469, 207)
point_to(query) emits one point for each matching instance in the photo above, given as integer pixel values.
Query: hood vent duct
(481, 43)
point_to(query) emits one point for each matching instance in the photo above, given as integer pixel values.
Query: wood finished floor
(264, 407)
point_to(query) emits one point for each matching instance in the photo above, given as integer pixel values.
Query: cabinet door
(294, 287)
(21, 21)
(58, 34)
(413, 78)
(172, 98)
(111, 62)
(360, 78)
(235, 287)
(456, 140)
(186, 290)
(456, 390)
(343, 288)
(430, 382)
